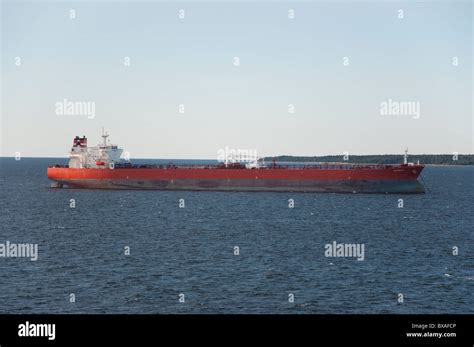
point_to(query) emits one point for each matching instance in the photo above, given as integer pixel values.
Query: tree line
(430, 159)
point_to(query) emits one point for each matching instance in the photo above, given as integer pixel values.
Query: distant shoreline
(442, 165)
(426, 159)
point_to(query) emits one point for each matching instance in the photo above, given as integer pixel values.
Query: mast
(405, 157)
(104, 136)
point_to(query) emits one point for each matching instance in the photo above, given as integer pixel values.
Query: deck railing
(321, 166)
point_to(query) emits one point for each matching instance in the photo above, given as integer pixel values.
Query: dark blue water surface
(191, 250)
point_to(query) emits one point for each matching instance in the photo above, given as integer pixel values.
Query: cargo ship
(102, 167)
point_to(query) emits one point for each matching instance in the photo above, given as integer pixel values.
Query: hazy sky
(283, 61)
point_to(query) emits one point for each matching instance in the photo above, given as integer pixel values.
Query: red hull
(338, 178)
(385, 172)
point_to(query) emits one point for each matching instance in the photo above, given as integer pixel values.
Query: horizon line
(268, 156)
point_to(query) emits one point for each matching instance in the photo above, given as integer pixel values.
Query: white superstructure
(103, 156)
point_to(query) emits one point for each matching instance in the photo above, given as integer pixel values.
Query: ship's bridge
(102, 156)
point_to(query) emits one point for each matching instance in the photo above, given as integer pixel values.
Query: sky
(334, 64)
